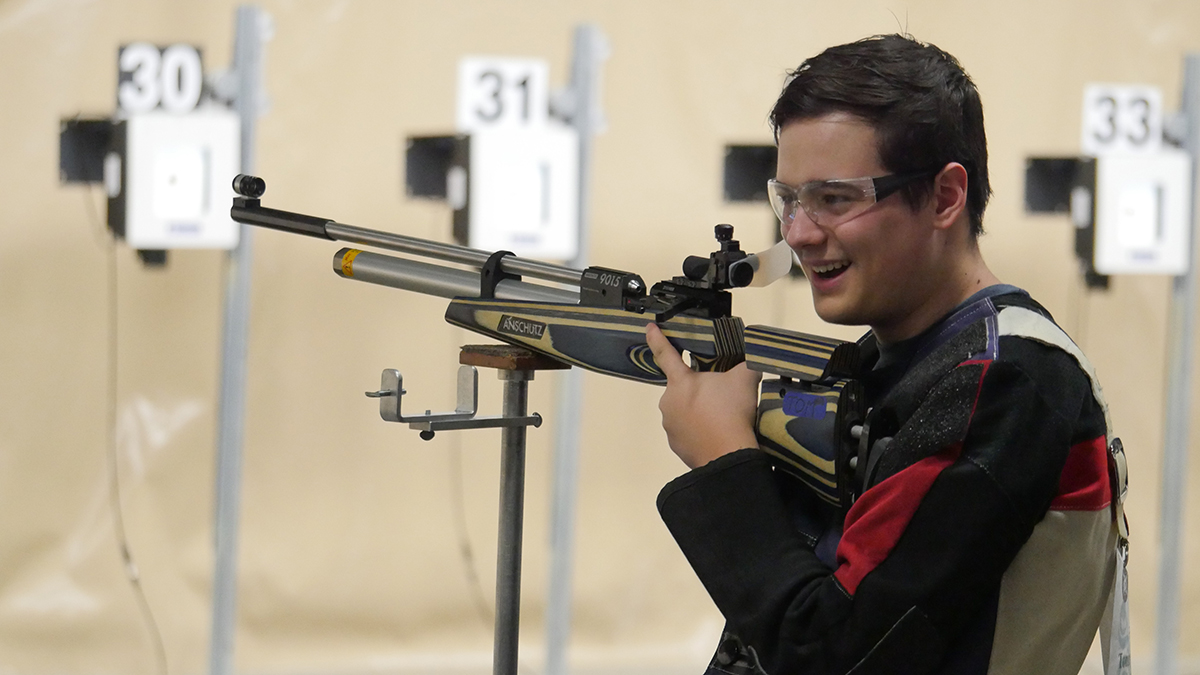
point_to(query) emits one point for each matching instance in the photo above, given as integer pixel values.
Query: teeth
(822, 269)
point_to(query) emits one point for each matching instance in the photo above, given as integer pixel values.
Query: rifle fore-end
(606, 340)
(612, 341)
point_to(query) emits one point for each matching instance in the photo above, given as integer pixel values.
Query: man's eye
(835, 198)
(789, 202)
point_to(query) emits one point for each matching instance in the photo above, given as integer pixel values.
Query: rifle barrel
(247, 208)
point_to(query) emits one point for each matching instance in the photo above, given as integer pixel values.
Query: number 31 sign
(501, 93)
(1121, 118)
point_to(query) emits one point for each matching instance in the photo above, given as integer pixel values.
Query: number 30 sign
(1121, 118)
(150, 77)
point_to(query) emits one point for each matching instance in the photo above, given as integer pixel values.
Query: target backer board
(173, 155)
(169, 179)
(1142, 186)
(515, 183)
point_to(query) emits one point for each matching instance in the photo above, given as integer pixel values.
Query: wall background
(352, 530)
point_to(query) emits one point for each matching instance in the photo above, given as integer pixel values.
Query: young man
(983, 539)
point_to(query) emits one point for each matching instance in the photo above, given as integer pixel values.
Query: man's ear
(949, 194)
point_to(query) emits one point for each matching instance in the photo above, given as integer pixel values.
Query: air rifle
(811, 411)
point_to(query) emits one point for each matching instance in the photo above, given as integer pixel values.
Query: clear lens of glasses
(827, 203)
(830, 203)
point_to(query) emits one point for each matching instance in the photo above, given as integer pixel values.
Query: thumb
(665, 355)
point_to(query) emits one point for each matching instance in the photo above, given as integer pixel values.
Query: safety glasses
(830, 203)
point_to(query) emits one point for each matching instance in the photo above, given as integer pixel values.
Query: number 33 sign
(1121, 118)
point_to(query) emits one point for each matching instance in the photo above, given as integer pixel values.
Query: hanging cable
(132, 572)
(465, 550)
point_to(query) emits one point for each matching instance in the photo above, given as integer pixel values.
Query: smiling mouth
(831, 270)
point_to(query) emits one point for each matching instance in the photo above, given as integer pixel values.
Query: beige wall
(350, 542)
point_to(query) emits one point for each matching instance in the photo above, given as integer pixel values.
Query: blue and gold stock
(805, 427)
(606, 340)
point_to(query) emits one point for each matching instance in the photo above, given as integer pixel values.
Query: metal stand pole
(231, 411)
(512, 507)
(516, 367)
(590, 51)
(1179, 396)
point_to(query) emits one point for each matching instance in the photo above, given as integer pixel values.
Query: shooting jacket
(983, 542)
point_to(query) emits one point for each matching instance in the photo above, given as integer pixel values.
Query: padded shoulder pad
(1026, 323)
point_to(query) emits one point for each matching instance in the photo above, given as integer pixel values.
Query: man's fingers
(665, 355)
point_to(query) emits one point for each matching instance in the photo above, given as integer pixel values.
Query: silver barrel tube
(450, 253)
(446, 282)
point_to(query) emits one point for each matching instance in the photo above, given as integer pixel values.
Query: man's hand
(705, 415)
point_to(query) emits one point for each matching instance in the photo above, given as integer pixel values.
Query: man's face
(874, 269)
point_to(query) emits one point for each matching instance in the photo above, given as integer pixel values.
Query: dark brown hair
(924, 107)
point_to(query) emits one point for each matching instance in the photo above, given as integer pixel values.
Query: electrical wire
(465, 550)
(132, 572)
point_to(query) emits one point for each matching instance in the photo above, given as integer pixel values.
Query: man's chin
(834, 312)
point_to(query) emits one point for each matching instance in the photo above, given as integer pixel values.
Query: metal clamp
(391, 390)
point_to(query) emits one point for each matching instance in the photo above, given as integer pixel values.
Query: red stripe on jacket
(878, 518)
(1083, 485)
(876, 521)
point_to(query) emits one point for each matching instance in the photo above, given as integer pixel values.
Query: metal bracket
(493, 273)
(391, 390)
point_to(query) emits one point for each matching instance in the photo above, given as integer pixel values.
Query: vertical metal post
(1179, 397)
(590, 51)
(247, 60)
(512, 508)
